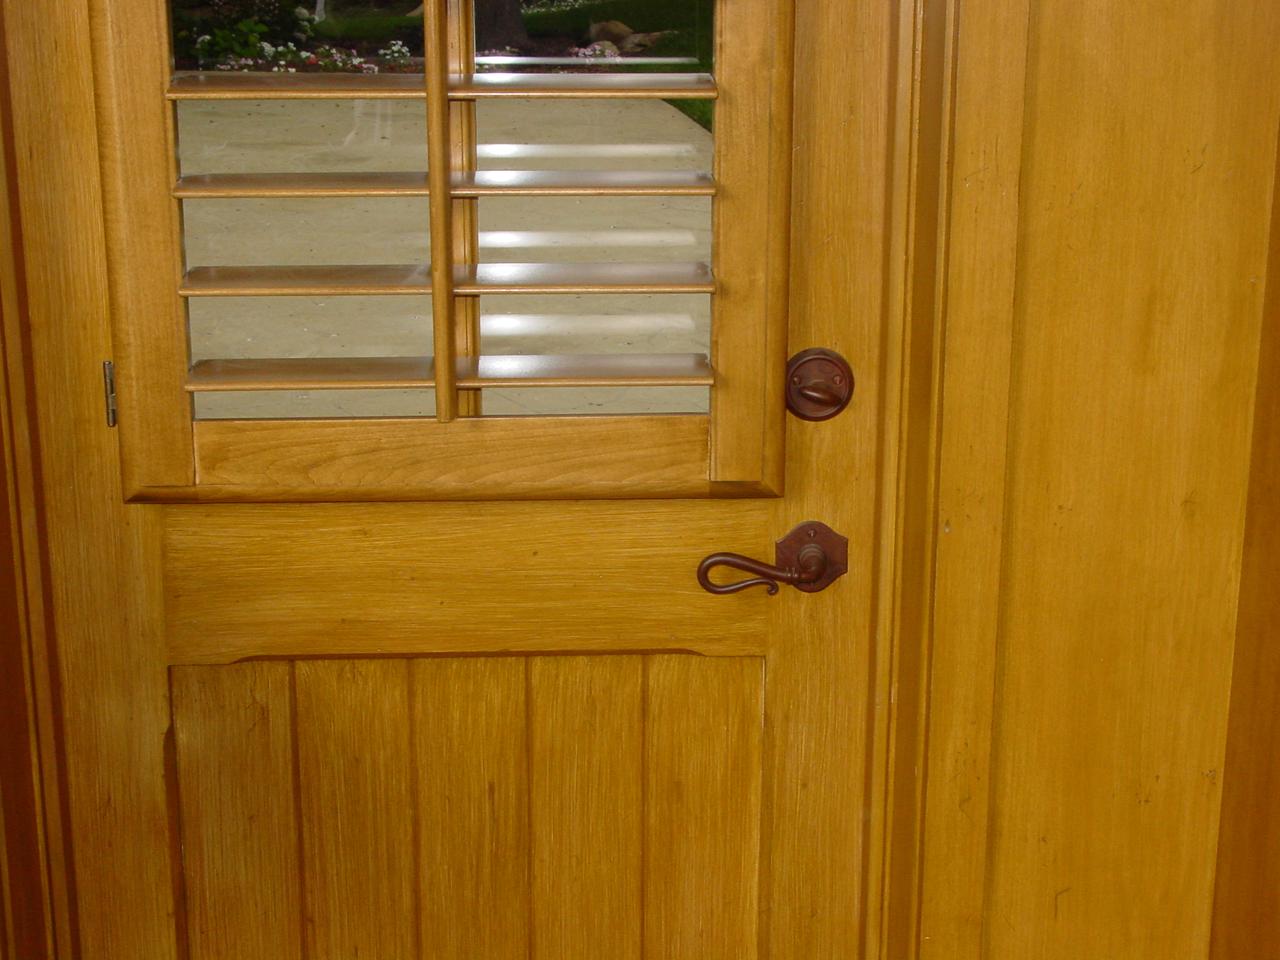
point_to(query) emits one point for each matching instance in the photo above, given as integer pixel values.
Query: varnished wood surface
(440, 150)
(375, 373)
(827, 695)
(588, 370)
(371, 373)
(318, 280)
(138, 151)
(470, 720)
(484, 183)
(1134, 358)
(103, 559)
(587, 183)
(312, 373)
(233, 593)
(570, 806)
(463, 161)
(307, 280)
(751, 220)
(473, 459)
(356, 808)
(30, 839)
(587, 779)
(239, 834)
(660, 86)
(814, 750)
(236, 85)
(701, 818)
(1246, 915)
(973, 271)
(206, 186)
(649, 277)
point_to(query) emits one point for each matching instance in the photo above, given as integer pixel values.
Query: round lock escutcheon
(819, 384)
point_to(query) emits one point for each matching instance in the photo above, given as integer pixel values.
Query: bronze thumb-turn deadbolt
(819, 384)
(810, 558)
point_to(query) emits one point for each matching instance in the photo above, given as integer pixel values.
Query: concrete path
(308, 136)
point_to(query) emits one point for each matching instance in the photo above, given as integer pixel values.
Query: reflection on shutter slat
(487, 183)
(366, 373)
(320, 280)
(659, 86)
(236, 85)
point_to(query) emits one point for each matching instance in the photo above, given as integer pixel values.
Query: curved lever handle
(822, 394)
(811, 566)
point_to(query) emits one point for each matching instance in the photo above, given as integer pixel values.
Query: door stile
(103, 557)
(822, 751)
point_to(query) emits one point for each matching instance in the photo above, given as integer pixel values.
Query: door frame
(35, 903)
(92, 547)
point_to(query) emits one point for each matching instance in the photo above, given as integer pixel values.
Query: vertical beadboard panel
(473, 805)
(356, 778)
(586, 759)
(703, 740)
(234, 745)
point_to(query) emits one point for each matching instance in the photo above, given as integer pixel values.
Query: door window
(502, 250)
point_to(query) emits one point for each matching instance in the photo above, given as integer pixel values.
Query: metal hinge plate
(109, 390)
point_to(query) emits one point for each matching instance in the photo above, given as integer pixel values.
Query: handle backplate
(810, 558)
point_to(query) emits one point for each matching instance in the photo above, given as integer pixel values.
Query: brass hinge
(109, 390)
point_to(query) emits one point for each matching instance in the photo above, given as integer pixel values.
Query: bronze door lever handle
(810, 558)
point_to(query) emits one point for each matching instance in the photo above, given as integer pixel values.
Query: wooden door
(513, 725)
(495, 714)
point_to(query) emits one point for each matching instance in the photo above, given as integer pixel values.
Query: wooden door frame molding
(35, 918)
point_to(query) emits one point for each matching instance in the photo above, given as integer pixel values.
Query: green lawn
(370, 27)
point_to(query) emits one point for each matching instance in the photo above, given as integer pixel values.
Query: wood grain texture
(296, 86)
(704, 733)
(494, 370)
(240, 853)
(312, 280)
(925, 63)
(474, 459)
(331, 86)
(579, 86)
(323, 280)
(586, 750)
(357, 778)
(103, 558)
(138, 164)
(485, 183)
(463, 161)
(751, 245)
(33, 906)
(1134, 364)
(472, 796)
(440, 150)
(827, 698)
(651, 277)
(972, 317)
(1246, 916)
(249, 581)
